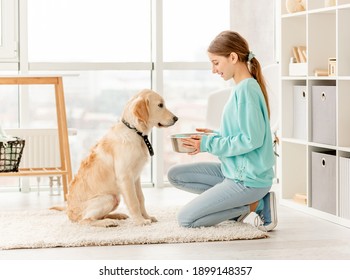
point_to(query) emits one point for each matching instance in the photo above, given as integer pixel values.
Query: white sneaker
(266, 219)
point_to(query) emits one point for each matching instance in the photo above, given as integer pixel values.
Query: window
(94, 103)
(187, 92)
(9, 106)
(111, 45)
(114, 34)
(9, 97)
(95, 100)
(189, 27)
(8, 44)
(89, 31)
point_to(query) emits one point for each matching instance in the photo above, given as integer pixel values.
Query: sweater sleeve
(249, 137)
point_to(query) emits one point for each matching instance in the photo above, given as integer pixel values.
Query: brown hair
(229, 41)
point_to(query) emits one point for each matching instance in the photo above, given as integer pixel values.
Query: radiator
(41, 147)
(41, 150)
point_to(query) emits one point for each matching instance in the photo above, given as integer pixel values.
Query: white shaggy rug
(49, 228)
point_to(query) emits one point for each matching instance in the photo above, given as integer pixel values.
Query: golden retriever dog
(113, 167)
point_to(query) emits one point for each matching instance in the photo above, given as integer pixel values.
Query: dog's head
(146, 110)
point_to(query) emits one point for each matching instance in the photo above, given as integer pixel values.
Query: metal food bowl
(178, 145)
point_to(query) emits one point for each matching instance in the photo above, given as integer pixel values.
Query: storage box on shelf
(323, 107)
(297, 69)
(323, 182)
(315, 116)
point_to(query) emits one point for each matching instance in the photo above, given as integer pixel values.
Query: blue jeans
(219, 199)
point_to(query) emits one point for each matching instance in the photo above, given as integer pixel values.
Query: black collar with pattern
(144, 137)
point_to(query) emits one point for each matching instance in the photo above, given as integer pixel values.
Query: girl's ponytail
(256, 71)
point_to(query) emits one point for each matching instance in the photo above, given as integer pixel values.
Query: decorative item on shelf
(330, 3)
(321, 72)
(299, 54)
(11, 149)
(294, 6)
(332, 64)
(298, 65)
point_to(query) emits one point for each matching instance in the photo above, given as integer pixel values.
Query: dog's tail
(58, 208)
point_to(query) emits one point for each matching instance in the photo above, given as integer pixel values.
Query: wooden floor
(298, 236)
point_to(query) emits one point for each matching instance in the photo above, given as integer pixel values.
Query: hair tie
(250, 56)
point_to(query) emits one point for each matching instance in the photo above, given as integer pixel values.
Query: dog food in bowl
(178, 145)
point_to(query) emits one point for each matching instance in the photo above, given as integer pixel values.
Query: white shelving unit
(325, 33)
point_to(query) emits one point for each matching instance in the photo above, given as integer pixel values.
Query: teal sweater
(244, 142)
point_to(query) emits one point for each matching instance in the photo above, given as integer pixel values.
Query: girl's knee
(173, 175)
(183, 220)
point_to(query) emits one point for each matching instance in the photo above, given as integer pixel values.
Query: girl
(241, 181)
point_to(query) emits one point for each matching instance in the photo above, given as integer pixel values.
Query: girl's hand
(204, 130)
(194, 142)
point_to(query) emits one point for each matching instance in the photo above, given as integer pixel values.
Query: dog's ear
(140, 110)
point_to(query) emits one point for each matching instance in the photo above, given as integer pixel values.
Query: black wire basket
(11, 154)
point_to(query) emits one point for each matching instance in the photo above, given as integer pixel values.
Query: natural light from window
(190, 25)
(115, 31)
(89, 31)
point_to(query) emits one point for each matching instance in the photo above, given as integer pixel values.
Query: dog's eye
(161, 105)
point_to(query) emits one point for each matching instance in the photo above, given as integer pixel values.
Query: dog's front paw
(153, 219)
(108, 223)
(100, 223)
(117, 216)
(143, 222)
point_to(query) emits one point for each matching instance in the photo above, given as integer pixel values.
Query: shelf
(300, 78)
(295, 141)
(344, 149)
(327, 10)
(316, 109)
(294, 15)
(292, 78)
(28, 80)
(320, 78)
(343, 78)
(320, 145)
(343, 6)
(36, 172)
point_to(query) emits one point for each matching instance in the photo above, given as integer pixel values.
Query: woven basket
(11, 154)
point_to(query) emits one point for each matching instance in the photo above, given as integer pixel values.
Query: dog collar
(144, 137)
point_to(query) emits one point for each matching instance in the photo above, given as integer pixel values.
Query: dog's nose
(175, 118)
